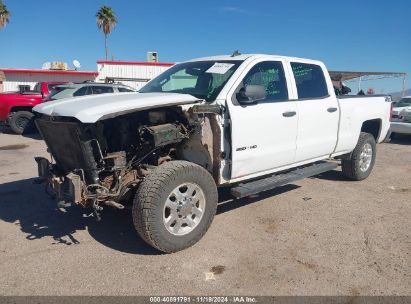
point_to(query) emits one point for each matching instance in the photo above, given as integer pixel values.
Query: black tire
(22, 122)
(150, 199)
(351, 167)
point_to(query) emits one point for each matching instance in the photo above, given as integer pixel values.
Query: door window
(101, 89)
(310, 80)
(121, 89)
(270, 75)
(82, 91)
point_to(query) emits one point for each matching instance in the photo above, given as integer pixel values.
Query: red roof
(60, 72)
(135, 63)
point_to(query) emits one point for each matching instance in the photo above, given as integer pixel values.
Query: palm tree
(4, 15)
(106, 20)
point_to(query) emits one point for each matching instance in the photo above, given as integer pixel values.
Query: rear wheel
(175, 205)
(21, 122)
(362, 159)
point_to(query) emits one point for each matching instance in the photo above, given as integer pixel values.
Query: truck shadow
(28, 206)
(6, 130)
(228, 203)
(401, 140)
(33, 135)
(333, 175)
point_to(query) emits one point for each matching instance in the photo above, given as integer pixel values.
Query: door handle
(332, 109)
(289, 113)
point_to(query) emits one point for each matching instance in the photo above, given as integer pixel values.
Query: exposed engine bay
(95, 164)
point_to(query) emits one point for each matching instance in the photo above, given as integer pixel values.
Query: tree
(4, 14)
(106, 21)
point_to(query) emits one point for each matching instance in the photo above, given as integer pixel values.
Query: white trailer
(132, 73)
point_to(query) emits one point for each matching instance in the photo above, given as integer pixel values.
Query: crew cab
(248, 122)
(15, 107)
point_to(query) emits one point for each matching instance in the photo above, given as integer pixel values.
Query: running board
(271, 182)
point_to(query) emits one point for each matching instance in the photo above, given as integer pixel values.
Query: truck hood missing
(89, 109)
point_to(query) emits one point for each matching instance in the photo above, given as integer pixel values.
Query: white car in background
(401, 117)
(70, 90)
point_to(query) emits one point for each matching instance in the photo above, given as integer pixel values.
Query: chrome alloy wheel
(365, 157)
(184, 209)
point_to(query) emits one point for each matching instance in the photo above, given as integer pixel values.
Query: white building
(16, 79)
(132, 73)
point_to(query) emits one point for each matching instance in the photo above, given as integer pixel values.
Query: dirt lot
(320, 236)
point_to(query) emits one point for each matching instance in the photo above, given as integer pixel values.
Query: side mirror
(251, 93)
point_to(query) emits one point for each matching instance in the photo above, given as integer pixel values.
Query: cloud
(233, 9)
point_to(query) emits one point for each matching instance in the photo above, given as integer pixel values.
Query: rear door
(263, 134)
(318, 112)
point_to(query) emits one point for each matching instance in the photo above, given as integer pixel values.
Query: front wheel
(21, 122)
(175, 205)
(362, 159)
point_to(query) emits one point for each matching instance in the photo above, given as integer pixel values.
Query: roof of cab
(240, 57)
(243, 57)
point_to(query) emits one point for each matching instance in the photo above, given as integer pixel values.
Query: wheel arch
(373, 127)
(21, 108)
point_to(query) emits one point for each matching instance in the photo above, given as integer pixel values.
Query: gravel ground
(319, 236)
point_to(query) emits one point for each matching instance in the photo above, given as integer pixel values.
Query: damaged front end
(97, 164)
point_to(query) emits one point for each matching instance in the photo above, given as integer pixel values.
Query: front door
(263, 133)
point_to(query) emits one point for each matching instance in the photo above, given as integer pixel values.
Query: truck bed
(355, 109)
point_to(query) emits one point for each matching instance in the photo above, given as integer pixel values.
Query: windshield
(55, 92)
(405, 102)
(202, 79)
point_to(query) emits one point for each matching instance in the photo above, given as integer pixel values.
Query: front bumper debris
(67, 189)
(70, 189)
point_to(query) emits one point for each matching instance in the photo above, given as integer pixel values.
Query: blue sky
(347, 35)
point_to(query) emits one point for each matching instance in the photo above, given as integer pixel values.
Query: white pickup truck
(251, 122)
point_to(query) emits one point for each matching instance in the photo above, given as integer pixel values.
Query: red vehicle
(15, 107)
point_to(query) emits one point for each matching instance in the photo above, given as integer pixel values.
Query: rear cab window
(310, 81)
(37, 87)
